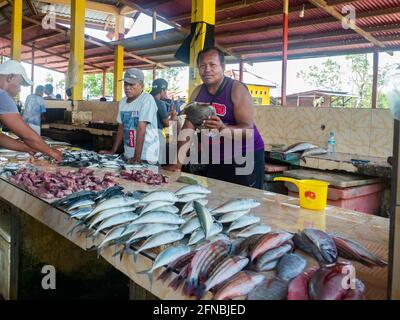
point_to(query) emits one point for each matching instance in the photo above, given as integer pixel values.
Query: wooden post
(154, 72)
(285, 49)
(104, 83)
(118, 71)
(78, 44)
(375, 79)
(33, 68)
(241, 67)
(16, 30)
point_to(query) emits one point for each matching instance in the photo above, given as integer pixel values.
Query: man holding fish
(137, 118)
(233, 123)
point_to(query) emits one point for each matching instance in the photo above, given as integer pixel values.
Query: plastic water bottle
(331, 143)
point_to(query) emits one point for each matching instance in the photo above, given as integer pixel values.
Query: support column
(104, 83)
(202, 11)
(285, 49)
(375, 79)
(16, 30)
(118, 71)
(33, 68)
(78, 44)
(154, 72)
(241, 68)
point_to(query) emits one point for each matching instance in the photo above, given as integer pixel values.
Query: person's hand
(172, 114)
(173, 167)
(106, 152)
(134, 159)
(213, 122)
(56, 155)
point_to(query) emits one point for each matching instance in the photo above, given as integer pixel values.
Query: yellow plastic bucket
(313, 193)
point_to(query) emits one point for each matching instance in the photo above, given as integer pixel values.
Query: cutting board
(340, 180)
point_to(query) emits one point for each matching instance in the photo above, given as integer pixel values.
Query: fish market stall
(262, 216)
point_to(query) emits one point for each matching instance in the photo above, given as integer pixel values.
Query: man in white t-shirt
(137, 118)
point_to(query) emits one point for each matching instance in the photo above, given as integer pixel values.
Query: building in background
(320, 98)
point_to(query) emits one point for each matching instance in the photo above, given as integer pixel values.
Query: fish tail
(174, 284)
(148, 273)
(199, 291)
(188, 288)
(164, 275)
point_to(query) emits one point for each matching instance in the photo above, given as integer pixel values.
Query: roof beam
(338, 16)
(154, 4)
(31, 7)
(90, 5)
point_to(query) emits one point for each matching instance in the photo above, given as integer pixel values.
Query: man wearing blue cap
(34, 109)
(137, 118)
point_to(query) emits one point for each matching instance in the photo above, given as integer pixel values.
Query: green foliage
(93, 85)
(49, 78)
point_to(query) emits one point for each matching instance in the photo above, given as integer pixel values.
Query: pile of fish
(306, 149)
(91, 159)
(50, 185)
(145, 176)
(225, 250)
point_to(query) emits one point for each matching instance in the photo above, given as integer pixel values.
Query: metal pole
(241, 68)
(285, 49)
(33, 67)
(375, 79)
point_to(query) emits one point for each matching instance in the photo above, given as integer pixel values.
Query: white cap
(15, 67)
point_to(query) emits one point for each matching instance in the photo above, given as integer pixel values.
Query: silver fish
(218, 237)
(191, 197)
(171, 209)
(80, 203)
(271, 255)
(236, 205)
(243, 221)
(188, 207)
(116, 220)
(159, 196)
(159, 217)
(232, 216)
(205, 217)
(192, 189)
(151, 206)
(81, 213)
(151, 229)
(166, 257)
(311, 152)
(116, 202)
(199, 234)
(253, 229)
(112, 235)
(190, 225)
(197, 112)
(160, 239)
(297, 147)
(110, 213)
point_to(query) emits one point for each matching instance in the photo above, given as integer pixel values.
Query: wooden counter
(71, 127)
(278, 211)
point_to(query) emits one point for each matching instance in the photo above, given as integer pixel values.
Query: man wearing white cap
(137, 118)
(12, 76)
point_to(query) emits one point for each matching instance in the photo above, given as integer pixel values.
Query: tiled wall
(357, 131)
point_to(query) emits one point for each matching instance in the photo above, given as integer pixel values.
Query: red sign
(220, 109)
(131, 137)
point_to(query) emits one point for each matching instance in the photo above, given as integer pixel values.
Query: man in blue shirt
(34, 109)
(12, 76)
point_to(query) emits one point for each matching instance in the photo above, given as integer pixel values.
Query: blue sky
(268, 70)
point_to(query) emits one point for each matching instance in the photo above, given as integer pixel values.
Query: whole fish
(269, 289)
(178, 264)
(236, 205)
(76, 196)
(243, 221)
(112, 235)
(326, 284)
(226, 269)
(199, 234)
(116, 202)
(170, 209)
(269, 241)
(190, 225)
(130, 228)
(352, 250)
(312, 152)
(298, 287)
(116, 220)
(324, 243)
(188, 207)
(243, 247)
(298, 147)
(159, 217)
(148, 230)
(165, 257)
(192, 189)
(152, 206)
(302, 242)
(290, 266)
(239, 285)
(109, 193)
(253, 230)
(160, 239)
(81, 203)
(271, 255)
(197, 112)
(81, 213)
(205, 218)
(232, 216)
(159, 196)
(200, 262)
(270, 265)
(191, 197)
(110, 213)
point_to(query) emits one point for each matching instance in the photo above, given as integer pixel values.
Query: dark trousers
(227, 172)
